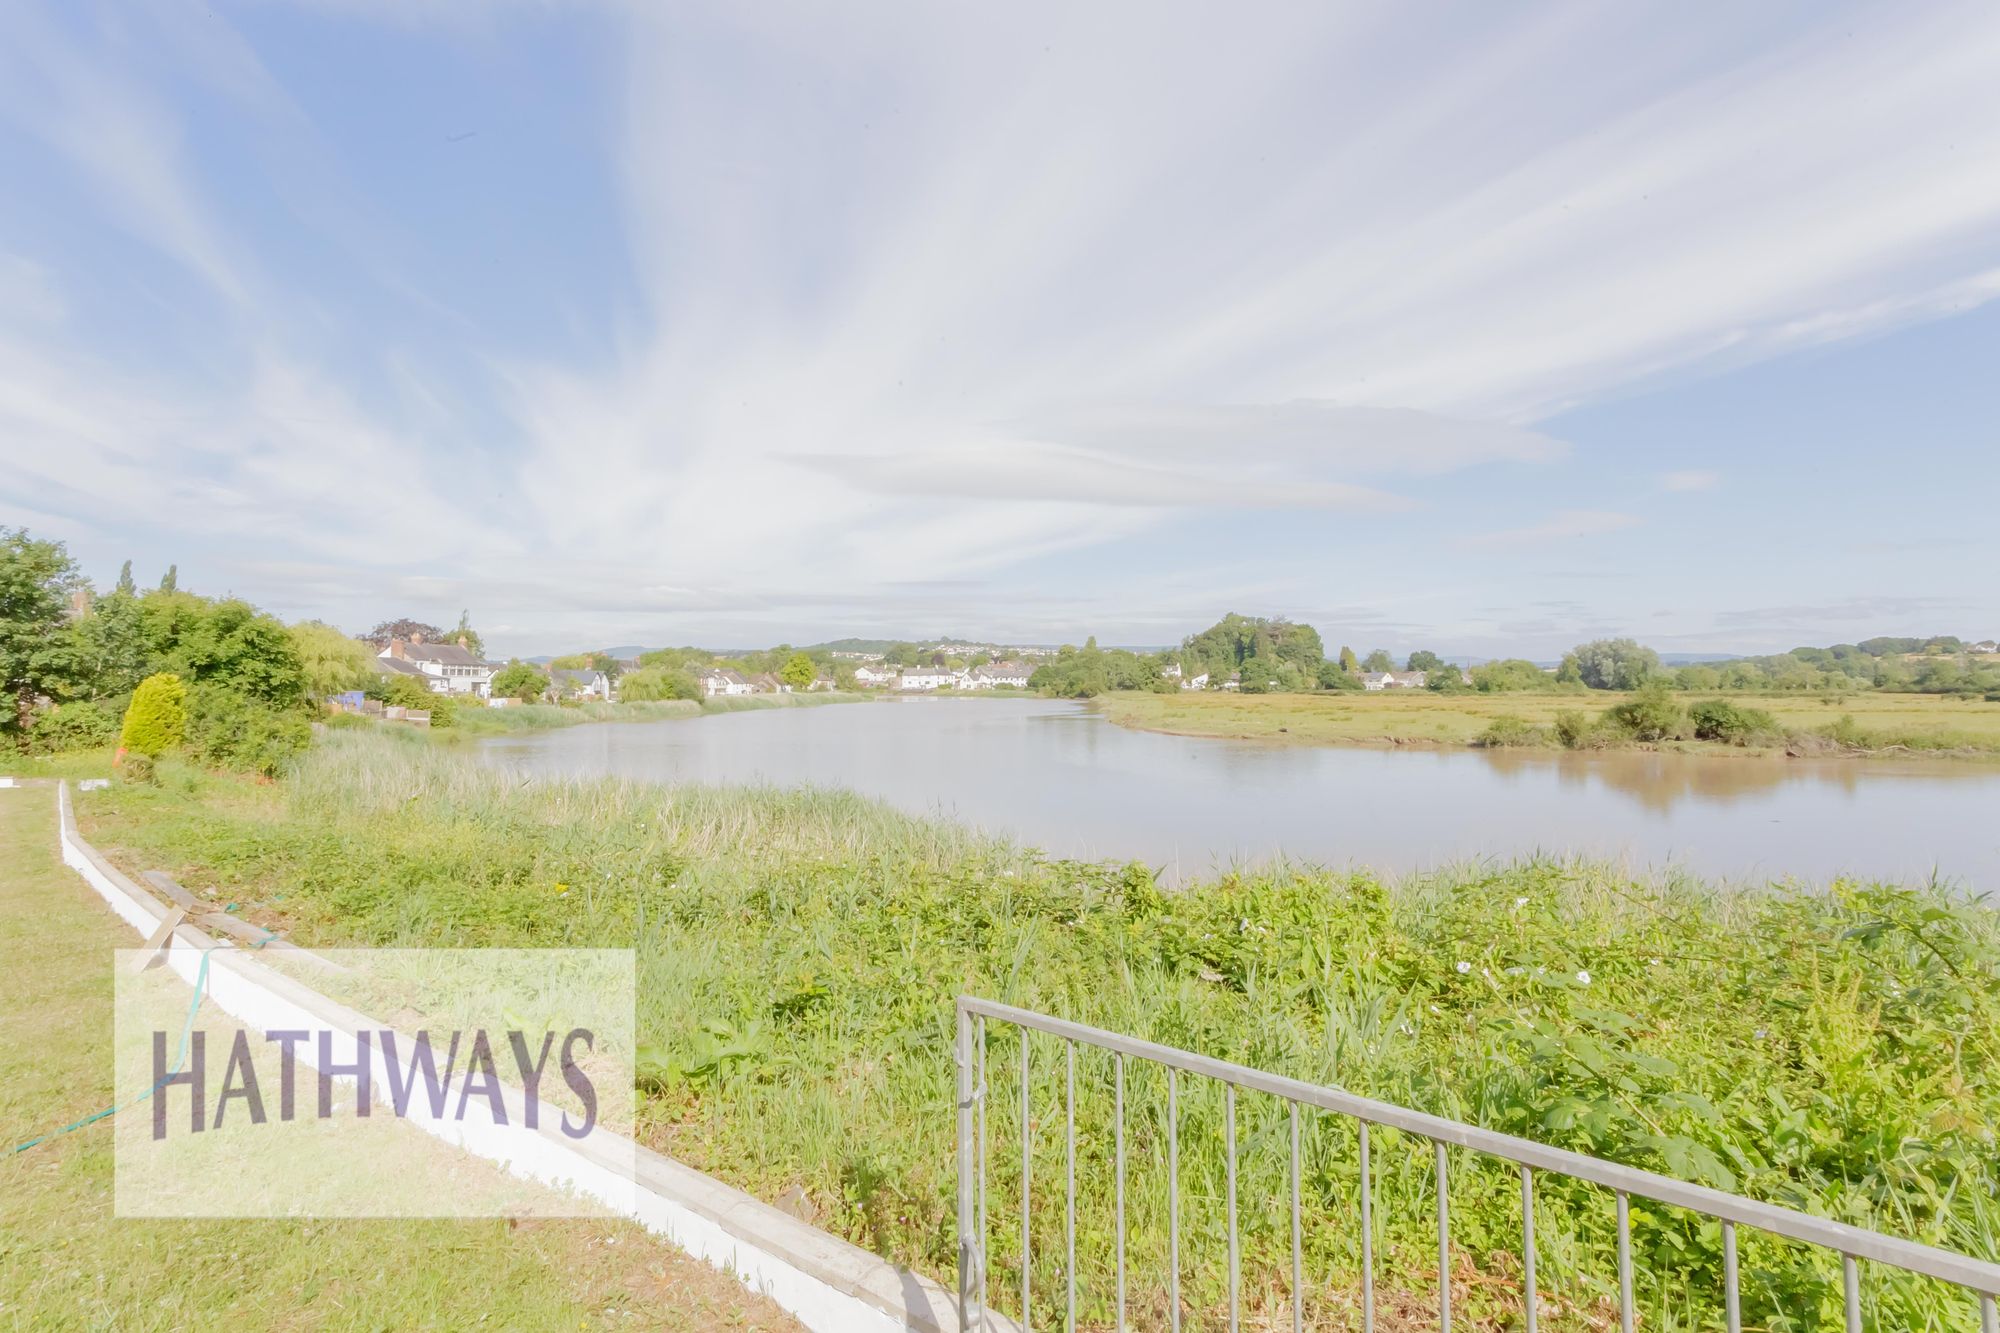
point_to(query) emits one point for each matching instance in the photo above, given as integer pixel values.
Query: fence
(1978, 1280)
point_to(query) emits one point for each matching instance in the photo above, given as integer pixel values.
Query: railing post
(971, 1275)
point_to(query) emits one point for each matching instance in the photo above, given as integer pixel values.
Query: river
(1056, 775)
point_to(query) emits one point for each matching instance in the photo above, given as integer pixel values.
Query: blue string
(200, 985)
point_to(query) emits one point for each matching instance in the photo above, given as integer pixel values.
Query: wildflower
(561, 889)
(1520, 903)
(1583, 978)
(1464, 967)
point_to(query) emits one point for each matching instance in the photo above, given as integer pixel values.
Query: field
(798, 951)
(1919, 722)
(65, 1261)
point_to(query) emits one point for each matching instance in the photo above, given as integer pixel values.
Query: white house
(873, 677)
(1984, 646)
(1196, 682)
(1011, 674)
(1393, 680)
(448, 668)
(715, 683)
(926, 678)
(581, 682)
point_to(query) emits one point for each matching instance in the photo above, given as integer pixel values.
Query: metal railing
(1980, 1280)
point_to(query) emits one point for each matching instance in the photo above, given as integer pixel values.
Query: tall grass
(1832, 1049)
(548, 717)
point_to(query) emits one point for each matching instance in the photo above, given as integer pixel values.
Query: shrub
(156, 719)
(136, 767)
(652, 684)
(520, 680)
(75, 726)
(227, 730)
(1721, 720)
(1574, 730)
(1649, 715)
(1510, 731)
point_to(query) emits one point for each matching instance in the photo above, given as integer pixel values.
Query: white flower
(1583, 978)
(1520, 902)
(1464, 967)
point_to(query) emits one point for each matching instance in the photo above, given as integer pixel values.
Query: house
(1984, 646)
(719, 682)
(583, 683)
(1196, 682)
(822, 682)
(873, 677)
(1235, 681)
(1393, 680)
(1012, 675)
(448, 668)
(1172, 671)
(766, 682)
(926, 678)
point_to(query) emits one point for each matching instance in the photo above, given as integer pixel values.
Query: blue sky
(1480, 328)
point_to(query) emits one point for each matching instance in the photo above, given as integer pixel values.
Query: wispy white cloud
(1690, 479)
(1009, 282)
(1564, 526)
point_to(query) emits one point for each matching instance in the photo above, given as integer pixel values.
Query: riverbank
(1857, 724)
(65, 1256)
(798, 951)
(519, 718)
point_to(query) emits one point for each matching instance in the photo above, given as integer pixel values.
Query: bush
(1649, 715)
(1512, 731)
(227, 730)
(1574, 730)
(136, 767)
(77, 726)
(157, 717)
(653, 684)
(1721, 720)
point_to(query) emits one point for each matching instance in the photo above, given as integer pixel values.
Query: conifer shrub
(156, 720)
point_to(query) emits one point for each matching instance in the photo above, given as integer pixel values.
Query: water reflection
(1059, 777)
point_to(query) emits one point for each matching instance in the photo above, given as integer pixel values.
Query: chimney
(395, 648)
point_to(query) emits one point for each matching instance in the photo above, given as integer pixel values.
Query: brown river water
(1055, 775)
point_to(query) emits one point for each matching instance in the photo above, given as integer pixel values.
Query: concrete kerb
(831, 1286)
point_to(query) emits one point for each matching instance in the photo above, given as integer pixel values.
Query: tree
(157, 717)
(650, 684)
(171, 580)
(1425, 660)
(1333, 676)
(1512, 673)
(40, 653)
(1348, 661)
(520, 680)
(1610, 664)
(467, 637)
(125, 584)
(1379, 660)
(405, 629)
(799, 672)
(330, 662)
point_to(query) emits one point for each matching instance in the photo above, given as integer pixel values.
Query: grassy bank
(798, 951)
(1854, 723)
(66, 1261)
(548, 717)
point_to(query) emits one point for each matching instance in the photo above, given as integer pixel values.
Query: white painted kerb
(828, 1284)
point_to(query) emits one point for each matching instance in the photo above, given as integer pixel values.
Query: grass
(1875, 722)
(1837, 1051)
(66, 1261)
(548, 717)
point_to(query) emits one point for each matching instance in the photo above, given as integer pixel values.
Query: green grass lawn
(1419, 717)
(66, 1262)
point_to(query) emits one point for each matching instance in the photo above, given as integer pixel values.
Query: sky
(1480, 328)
